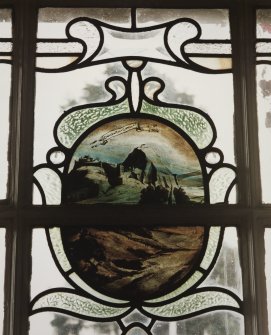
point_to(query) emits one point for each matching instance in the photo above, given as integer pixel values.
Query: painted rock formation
(135, 264)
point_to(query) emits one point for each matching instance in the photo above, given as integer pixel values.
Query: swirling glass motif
(123, 143)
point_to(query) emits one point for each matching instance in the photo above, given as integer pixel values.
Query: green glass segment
(193, 124)
(194, 303)
(74, 303)
(56, 241)
(51, 184)
(212, 245)
(77, 122)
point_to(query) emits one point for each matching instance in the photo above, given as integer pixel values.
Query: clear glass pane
(214, 23)
(110, 72)
(58, 324)
(227, 270)
(264, 99)
(41, 255)
(215, 323)
(2, 275)
(58, 92)
(267, 237)
(5, 88)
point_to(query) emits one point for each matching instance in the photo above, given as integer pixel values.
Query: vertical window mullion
(246, 139)
(25, 18)
(260, 282)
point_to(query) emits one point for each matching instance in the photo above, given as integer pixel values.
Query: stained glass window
(139, 279)
(5, 88)
(132, 132)
(130, 167)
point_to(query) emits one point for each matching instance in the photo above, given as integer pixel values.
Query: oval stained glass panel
(134, 161)
(135, 263)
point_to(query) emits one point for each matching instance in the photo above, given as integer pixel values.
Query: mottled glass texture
(74, 88)
(5, 89)
(263, 72)
(2, 274)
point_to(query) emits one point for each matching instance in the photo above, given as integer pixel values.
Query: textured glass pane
(264, 23)
(214, 48)
(112, 71)
(56, 93)
(5, 23)
(2, 274)
(194, 124)
(70, 129)
(132, 264)
(214, 23)
(51, 185)
(52, 25)
(136, 316)
(212, 94)
(194, 303)
(58, 324)
(264, 121)
(5, 87)
(227, 270)
(267, 237)
(41, 256)
(264, 100)
(215, 323)
(50, 18)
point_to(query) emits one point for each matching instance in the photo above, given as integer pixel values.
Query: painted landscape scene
(134, 161)
(136, 263)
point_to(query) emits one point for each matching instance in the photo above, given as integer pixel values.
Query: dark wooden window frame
(19, 217)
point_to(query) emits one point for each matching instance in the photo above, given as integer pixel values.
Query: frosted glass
(214, 323)
(52, 323)
(214, 22)
(5, 23)
(202, 97)
(212, 94)
(263, 80)
(5, 90)
(227, 271)
(264, 124)
(41, 255)
(263, 23)
(57, 93)
(5, 87)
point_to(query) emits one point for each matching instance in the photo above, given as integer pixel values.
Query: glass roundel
(133, 161)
